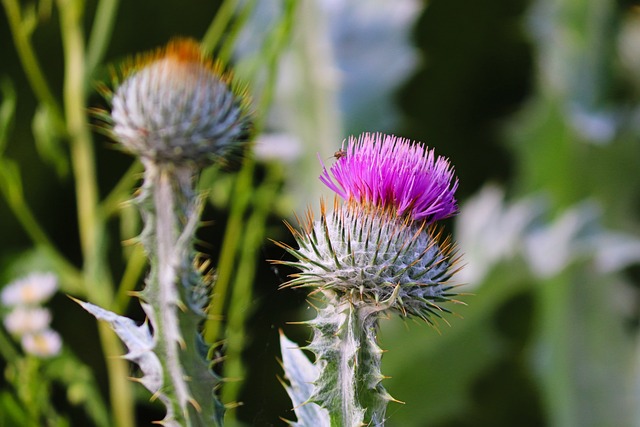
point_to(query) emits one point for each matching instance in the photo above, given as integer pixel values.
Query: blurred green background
(535, 103)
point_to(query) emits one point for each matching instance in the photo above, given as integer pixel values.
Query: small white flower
(25, 320)
(46, 343)
(30, 290)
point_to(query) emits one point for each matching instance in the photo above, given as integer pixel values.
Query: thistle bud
(177, 106)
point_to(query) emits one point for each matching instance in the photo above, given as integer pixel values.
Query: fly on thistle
(339, 154)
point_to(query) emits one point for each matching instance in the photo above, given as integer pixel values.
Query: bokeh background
(535, 102)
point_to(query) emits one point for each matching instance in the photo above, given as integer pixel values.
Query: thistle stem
(173, 295)
(164, 287)
(349, 359)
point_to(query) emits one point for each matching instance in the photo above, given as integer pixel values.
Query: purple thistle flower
(377, 252)
(391, 172)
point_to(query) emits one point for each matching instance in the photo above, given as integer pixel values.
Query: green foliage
(7, 111)
(48, 143)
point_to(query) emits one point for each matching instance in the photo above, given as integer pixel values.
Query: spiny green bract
(367, 253)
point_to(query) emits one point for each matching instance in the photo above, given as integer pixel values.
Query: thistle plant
(377, 251)
(177, 112)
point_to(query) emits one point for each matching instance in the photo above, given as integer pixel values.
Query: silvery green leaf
(301, 374)
(138, 340)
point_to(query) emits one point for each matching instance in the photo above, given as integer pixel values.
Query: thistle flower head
(177, 106)
(380, 247)
(29, 290)
(387, 171)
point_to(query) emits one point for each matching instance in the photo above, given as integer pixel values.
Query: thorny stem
(349, 359)
(166, 282)
(172, 297)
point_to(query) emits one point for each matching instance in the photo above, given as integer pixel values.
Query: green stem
(82, 152)
(101, 33)
(214, 33)
(122, 190)
(243, 185)
(226, 263)
(29, 61)
(227, 48)
(555, 338)
(120, 394)
(70, 276)
(135, 267)
(242, 293)
(92, 227)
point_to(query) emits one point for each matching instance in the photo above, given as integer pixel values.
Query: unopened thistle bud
(177, 106)
(179, 113)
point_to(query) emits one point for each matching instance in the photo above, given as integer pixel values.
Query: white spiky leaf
(301, 374)
(139, 342)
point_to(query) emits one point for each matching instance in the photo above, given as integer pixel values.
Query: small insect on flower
(339, 154)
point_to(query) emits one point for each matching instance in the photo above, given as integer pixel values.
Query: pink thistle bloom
(391, 172)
